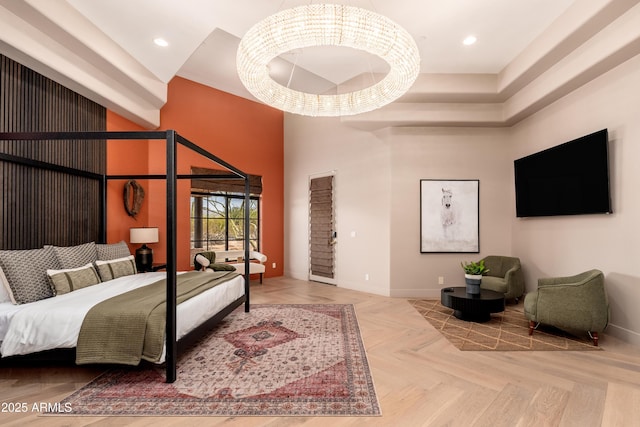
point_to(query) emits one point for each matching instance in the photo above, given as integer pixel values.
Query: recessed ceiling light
(469, 40)
(161, 42)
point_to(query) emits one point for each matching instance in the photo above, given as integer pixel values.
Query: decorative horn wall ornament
(132, 203)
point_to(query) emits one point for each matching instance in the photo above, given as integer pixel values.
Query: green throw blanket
(131, 326)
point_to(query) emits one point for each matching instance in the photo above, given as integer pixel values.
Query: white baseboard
(623, 334)
(298, 275)
(354, 286)
(360, 287)
(415, 293)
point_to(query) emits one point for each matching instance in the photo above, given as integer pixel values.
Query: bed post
(103, 209)
(247, 241)
(170, 337)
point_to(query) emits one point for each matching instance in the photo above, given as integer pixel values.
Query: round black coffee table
(472, 308)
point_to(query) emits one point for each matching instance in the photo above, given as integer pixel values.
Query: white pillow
(204, 262)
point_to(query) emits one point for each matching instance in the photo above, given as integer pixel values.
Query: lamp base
(144, 259)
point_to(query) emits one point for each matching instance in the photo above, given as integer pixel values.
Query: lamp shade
(143, 235)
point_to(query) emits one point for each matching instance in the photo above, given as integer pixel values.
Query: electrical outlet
(440, 280)
(273, 265)
(366, 276)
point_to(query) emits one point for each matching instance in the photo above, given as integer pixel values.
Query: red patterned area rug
(506, 331)
(277, 360)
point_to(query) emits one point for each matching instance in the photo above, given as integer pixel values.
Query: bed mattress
(55, 322)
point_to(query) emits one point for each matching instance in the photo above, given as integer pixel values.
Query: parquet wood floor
(420, 378)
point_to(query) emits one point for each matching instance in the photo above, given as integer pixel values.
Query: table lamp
(144, 254)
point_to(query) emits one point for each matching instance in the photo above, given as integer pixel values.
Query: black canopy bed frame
(172, 140)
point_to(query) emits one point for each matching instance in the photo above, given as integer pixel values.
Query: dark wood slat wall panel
(41, 206)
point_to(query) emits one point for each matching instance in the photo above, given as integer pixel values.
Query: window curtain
(220, 185)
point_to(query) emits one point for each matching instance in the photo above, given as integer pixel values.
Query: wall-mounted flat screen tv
(569, 179)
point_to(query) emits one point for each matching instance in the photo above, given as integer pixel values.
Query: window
(217, 222)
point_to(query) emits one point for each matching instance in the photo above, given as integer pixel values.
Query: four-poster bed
(171, 176)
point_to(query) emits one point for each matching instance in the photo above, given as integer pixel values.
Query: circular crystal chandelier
(327, 25)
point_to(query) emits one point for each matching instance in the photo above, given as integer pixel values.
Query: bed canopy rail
(172, 140)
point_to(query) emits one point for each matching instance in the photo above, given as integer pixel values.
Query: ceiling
(529, 53)
(203, 36)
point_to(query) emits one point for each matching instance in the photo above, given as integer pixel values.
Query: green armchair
(574, 303)
(504, 276)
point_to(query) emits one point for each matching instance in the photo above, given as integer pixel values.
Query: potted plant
(473, 272)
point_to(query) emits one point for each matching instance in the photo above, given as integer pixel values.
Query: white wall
(559, 246)
(378, 198)
(377, 180)
(360, 161)
(445, 153)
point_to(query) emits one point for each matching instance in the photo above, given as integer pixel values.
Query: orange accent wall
(246, 134)
(124, 157)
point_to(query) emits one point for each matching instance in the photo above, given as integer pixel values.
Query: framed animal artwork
(449, 216)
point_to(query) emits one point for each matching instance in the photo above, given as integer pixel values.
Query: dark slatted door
(322, 236)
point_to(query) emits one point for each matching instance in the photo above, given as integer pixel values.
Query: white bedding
(55, 322)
